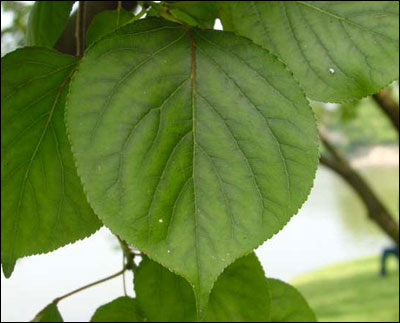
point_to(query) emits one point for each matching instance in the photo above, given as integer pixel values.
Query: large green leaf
(338, 50)
(194, 146)
(106, 22)
(239, 295)
(47, 21)
(123, 309)
(49, 314)
(287, 304)
(43, 202)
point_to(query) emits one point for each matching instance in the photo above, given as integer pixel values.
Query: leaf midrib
(193, 97)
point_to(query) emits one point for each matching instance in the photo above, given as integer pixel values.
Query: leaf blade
(122, 309)
(106, 22)
(49, 314)
(338, 51)
(239, 295)
(165, 140)
(287, 304)
(47, 21)
(46, 207)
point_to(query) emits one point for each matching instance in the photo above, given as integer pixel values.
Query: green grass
(353, 292)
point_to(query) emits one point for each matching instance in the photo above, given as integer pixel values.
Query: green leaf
(338, 50)
(162, 295)
(106, 22)
(45, 205)
(194, 146)
(122, 309)
(239, 295)
(49, 314)
(195, 13)
(287, 304)
(47, 21)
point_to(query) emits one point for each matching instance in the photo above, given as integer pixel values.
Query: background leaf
(106, 22)
(49, 314)
(47, 21)
(163, 296)
(239, 295)
(338, 50)
(193, 146)
(287, 304)
(122, 309)
(44, 205)
(202, 13)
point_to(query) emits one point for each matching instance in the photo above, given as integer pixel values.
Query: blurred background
(330, 250)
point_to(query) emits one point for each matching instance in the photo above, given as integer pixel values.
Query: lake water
(331, 227)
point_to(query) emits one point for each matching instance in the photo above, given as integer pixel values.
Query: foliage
(46, 22)
(188, 199)
(49, 314)
(123, 309)
(192, 145)
(46, 207)
(338, 50)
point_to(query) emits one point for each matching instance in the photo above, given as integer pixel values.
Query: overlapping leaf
(106, 22)
(194, 146)
(47, 21)
(239, 295)
(196, 13)
(49, 314)
(338, 50)
(287, 304)
(43, 206)
(123, 309)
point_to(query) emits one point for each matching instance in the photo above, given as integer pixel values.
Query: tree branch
(389, 106)
(377, 211)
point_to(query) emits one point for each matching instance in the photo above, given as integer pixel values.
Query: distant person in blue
(387, 252)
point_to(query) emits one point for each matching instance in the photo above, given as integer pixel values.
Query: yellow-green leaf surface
(43, 206)
(122, 309)
(47, 21)
(194, 146)
(49, 314)
(338, 50)
(287, 304)
(239, 295)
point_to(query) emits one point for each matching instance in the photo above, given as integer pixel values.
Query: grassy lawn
(353, 292)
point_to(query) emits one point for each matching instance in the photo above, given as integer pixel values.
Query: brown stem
(377, 211)
(67, 42)
(80, 29)
(129, 256)
(389, 106)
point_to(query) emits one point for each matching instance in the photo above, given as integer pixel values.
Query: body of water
(331, 227)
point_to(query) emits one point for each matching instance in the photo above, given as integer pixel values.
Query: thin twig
(123, 275)
(119, 12)
(58, 299)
